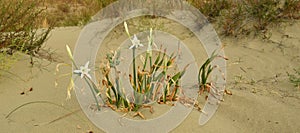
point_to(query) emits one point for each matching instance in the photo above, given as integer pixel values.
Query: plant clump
(19, 23)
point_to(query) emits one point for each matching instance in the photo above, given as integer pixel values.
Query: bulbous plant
(83, 71)
(145, 81)
(151, 80)
(153, 83)
(204, 74)
(118, 98)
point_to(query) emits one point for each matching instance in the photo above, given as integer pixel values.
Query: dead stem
(150, 107)
(189, 102)
(228, 92)
(186, 101)
(139, 114)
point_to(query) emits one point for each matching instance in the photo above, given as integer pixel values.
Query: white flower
(135, 42)
(84, 70)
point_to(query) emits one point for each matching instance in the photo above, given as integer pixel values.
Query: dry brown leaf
(228, 92)
(139, 114)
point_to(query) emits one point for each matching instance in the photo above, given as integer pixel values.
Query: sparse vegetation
(236, 18)
(6, 61)
(232, 17)
(19, 23)
(295, 77)
(72, 12)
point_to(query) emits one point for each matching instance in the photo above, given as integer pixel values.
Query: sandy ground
(263, 99)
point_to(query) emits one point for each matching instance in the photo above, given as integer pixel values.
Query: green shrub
(211, 8)
(234, 21)
(235, 18)
(19, 23)
(263, 12)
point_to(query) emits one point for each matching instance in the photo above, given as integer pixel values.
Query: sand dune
(263, 99)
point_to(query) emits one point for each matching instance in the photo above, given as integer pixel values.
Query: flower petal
(77, 71)
(82, 75)
(87, 64)
(131, 47)
(135, 37)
